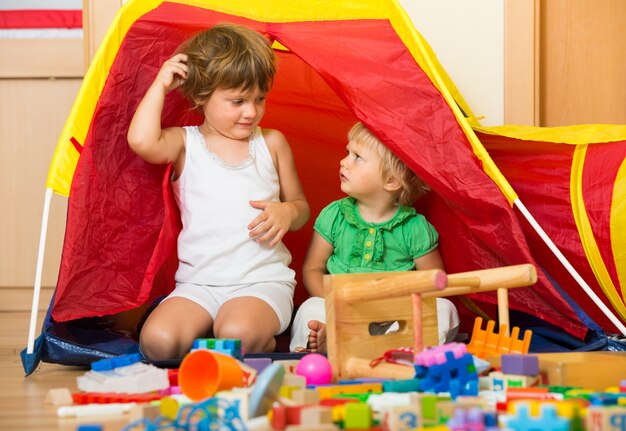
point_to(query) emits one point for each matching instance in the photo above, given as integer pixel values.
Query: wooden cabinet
(37, 90)
(36, 94)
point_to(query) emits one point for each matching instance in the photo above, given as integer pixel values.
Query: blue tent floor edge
(83, 341)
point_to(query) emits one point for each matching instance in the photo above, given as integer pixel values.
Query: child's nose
(250, 111)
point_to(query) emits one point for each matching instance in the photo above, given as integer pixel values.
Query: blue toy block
(89, 427)
(606, 398)
(548, 419)
(410, 385)
(225, 346)
(456, 375)
(521, 365)
(116, 362)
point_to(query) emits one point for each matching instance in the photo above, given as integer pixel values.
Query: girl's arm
(430, 260)
(145, 136)
(292, 212)
(314, 266)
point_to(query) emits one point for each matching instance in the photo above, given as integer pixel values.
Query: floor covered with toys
(448, 387)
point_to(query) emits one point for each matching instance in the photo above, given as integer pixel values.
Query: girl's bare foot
(317, 337)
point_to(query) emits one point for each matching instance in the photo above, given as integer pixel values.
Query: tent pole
(40, 254)
(568, 266)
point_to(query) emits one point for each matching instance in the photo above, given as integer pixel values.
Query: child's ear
(392, 185)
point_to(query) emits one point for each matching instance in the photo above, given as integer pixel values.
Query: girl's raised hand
(173, 72)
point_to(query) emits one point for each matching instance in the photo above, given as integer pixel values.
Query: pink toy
(437, 355)
(315, 368)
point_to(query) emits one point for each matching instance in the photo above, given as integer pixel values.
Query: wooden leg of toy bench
(503, 309)
(418, 338)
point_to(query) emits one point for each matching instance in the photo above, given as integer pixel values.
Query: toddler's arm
(430, 260)
(314, 266)
(145, 136)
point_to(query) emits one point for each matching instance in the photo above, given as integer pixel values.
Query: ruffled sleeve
(421, 237)
(326, 222)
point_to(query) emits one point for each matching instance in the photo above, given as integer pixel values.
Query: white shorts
(277, 295)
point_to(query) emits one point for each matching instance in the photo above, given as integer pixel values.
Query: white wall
(468, 39)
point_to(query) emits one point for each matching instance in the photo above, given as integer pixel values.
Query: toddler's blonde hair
(227, 56)
(411, 186)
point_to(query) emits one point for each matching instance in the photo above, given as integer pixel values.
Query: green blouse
(359, 246)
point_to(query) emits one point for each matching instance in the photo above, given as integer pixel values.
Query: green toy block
(358, 416)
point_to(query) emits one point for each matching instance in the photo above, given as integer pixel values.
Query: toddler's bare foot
(317, 336)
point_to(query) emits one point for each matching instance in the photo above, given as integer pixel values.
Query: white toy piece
(136, 378)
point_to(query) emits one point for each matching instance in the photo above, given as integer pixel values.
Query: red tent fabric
(120, 242)
(546, 188)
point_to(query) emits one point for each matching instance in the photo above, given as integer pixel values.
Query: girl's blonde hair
(411, 186)
(227, 56)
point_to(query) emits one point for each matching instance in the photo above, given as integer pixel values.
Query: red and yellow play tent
(339, 62)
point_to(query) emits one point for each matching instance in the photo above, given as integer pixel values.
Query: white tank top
(214, 246)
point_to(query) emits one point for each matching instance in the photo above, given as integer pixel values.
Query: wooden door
(565, 62)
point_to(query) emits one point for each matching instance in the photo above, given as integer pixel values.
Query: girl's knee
(253, 340)
(159, 342)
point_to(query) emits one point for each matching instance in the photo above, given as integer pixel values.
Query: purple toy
(315, 368)
(524, 365)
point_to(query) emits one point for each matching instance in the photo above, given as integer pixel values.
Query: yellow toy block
(330, 391)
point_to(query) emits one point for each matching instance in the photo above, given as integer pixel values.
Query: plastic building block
(608, 398)
(456, 375)
(333, 390)
(108, 398)
(387, 400)
(115, 362)
(225, 346)
(172, 390)
(409, 385)
(130, 379)
(358, 416)
(536, 393)
(467, 420)
(94, 410)
(172, 375)
(437, 354)
(89, 427)
(258, 364)
(524, 365)
(488, 342)
(547, 420)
